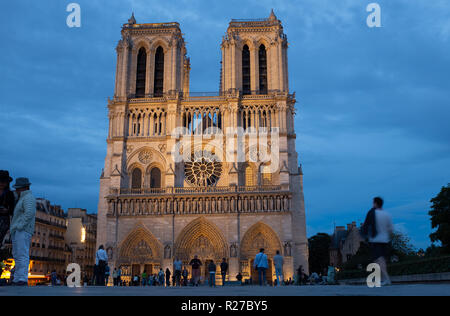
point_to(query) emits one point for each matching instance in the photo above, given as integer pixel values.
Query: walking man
(261, 264)
(22, 229)
(223, 270)
(177, 265)
(212, 273)
(378, 228)
(278, 262)
(101, 260)
(195, 264)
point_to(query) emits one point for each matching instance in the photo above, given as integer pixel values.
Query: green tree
(401, 246)
(440, 218)
(319, 256)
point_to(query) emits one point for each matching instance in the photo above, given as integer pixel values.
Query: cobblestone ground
(338, 290)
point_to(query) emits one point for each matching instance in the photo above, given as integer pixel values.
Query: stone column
(254, 79)
(124, 73)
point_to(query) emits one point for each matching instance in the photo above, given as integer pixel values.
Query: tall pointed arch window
(159, 72)
(155, 178)
(136, 178)
(262, 58)
(246, 88)
(141, 73)
(249, 176)
(266, 175)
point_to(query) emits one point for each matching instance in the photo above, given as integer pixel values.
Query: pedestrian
(378, 228)
(7, 203)
(185, 274)
(261, 264)
(107, 274)
(177, 265)
(161, 277)
(119, 277)
(299, 275)
(114, 275)
(85, 280)
(101, 260)
(278, 262)
(212, 273)
(53, 277)
(144, 278)
(223, 270)
(168, 277)
(331, 275)
(239, 277)
(22, 229)
(195, 264)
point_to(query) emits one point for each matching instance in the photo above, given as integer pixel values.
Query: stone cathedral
(209, 174)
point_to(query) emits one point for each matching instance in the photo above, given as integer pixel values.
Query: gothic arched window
(266, 175)
(141, 73)
(246, 88)
(249, 177)
(262, 55)
(136, 178)
(155, 178)
(159, 72)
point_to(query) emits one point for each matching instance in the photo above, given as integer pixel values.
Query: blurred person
(195, 264)
(177, 265)
(378, 228)
(278, 262)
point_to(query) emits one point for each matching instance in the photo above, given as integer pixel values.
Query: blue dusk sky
(373, 104)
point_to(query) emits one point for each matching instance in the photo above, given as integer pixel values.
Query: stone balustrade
(210, 200)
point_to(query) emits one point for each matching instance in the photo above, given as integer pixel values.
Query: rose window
(203, 170)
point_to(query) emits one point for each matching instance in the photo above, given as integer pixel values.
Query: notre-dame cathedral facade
(212, 174)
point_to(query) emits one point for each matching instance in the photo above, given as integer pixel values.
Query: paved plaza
(338, 290)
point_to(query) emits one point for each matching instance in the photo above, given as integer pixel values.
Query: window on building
(141, 73)
(155, 178)
(159, 72)
(246, 87)
(266, 175)
(136, 178)
(262, 55)
(249, 176)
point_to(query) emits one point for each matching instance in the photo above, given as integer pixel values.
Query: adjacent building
(81, 239)
(345, 243)
(60, 239)
(48, 249)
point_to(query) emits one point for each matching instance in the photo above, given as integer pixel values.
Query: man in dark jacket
(223, 270)
(195, 264)
(7, 203)
(212, 273)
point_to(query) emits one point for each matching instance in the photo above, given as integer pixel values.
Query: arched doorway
(258, 236)
(203, 239)
(139, 251)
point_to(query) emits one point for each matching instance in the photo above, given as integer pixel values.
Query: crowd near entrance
(199, 256)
